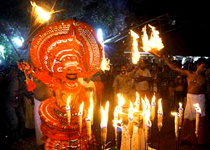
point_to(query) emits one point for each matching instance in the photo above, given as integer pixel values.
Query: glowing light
(104, 115)
(18, 41)
(105, 63)
(154, 42)
(2, 51)
(135, 53)
(40, 13)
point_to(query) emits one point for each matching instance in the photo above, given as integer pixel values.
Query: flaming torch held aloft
(68, 109)
(152, 44)
(135, 54)
(39, 16)
(198, 115)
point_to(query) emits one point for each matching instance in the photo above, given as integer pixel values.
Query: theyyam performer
(61, 53)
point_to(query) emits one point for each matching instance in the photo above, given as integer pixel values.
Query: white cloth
(190, 112)
(144, 85)
(37, 122)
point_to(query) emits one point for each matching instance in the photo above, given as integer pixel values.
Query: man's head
(201, 65)
(123, 69)
(142, 65)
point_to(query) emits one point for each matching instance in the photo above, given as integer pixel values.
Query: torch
(135, 54)
(153, 106)
(181, 115)
(137, 102)
(68, 109)
(152, 44)
(80, 117)
(130, 122)
(104, 120)
(160, 115)
(176, 130)
(198, 115)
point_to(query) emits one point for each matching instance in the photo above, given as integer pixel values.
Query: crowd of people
(169, 80)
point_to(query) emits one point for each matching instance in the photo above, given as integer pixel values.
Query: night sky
(189, 32)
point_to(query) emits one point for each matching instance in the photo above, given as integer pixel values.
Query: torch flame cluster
(152, 44)
(40, 14)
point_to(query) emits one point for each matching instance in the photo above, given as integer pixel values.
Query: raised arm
(175, 68)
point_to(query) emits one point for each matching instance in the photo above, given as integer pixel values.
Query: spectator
(124, 84)
(14, 107)
(155, 79)
(142, 79)
(99, 88)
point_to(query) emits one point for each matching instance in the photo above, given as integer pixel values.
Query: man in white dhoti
(196, 91)
(41, 93)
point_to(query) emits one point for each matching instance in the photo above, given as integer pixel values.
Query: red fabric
(99, 90)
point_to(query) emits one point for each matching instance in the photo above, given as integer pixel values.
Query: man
(143, 77)
(124, 84)
(195, 95)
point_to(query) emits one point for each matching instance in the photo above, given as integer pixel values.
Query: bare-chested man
(196, 90)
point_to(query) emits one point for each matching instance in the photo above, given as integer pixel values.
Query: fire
(40, 14)
(90, 109)
(197, 108)
(180, 106)
(152, 43)
(68, 101)
(153, 100)
(121, 100)
(137, 102)
(160, 108)
(174, 113)
(130, 112)
(135, 54)
(104, 115)
(105, 63)
(81, 108)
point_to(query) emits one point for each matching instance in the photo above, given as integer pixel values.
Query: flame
(137, 102)
(147, 103)
(160, 108)
(81, 108)
(117, 122)
(116, 112)
(90, 109)
(105, 63)
(180, 106)
(135, 54)
(41, 14)
(153, 100)
(130, 112)
(121, 100)
(104, 115)
(152, 43)
(174, 113)
(197, 108)
(68, 101)
(143, 106)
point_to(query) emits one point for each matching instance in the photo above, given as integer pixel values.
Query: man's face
(142, 65)
(123, 70)
(202, 68)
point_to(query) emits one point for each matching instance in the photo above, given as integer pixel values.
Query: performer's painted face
(71, 73)
(66, 68)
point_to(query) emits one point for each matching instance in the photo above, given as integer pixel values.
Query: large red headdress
(65, 44)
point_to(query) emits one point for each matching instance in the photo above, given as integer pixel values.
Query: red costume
(61, 53)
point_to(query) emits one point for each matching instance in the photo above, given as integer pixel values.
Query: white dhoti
(190, 112)
(37, 122)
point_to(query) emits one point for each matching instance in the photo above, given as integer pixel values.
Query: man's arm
(175, 68)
